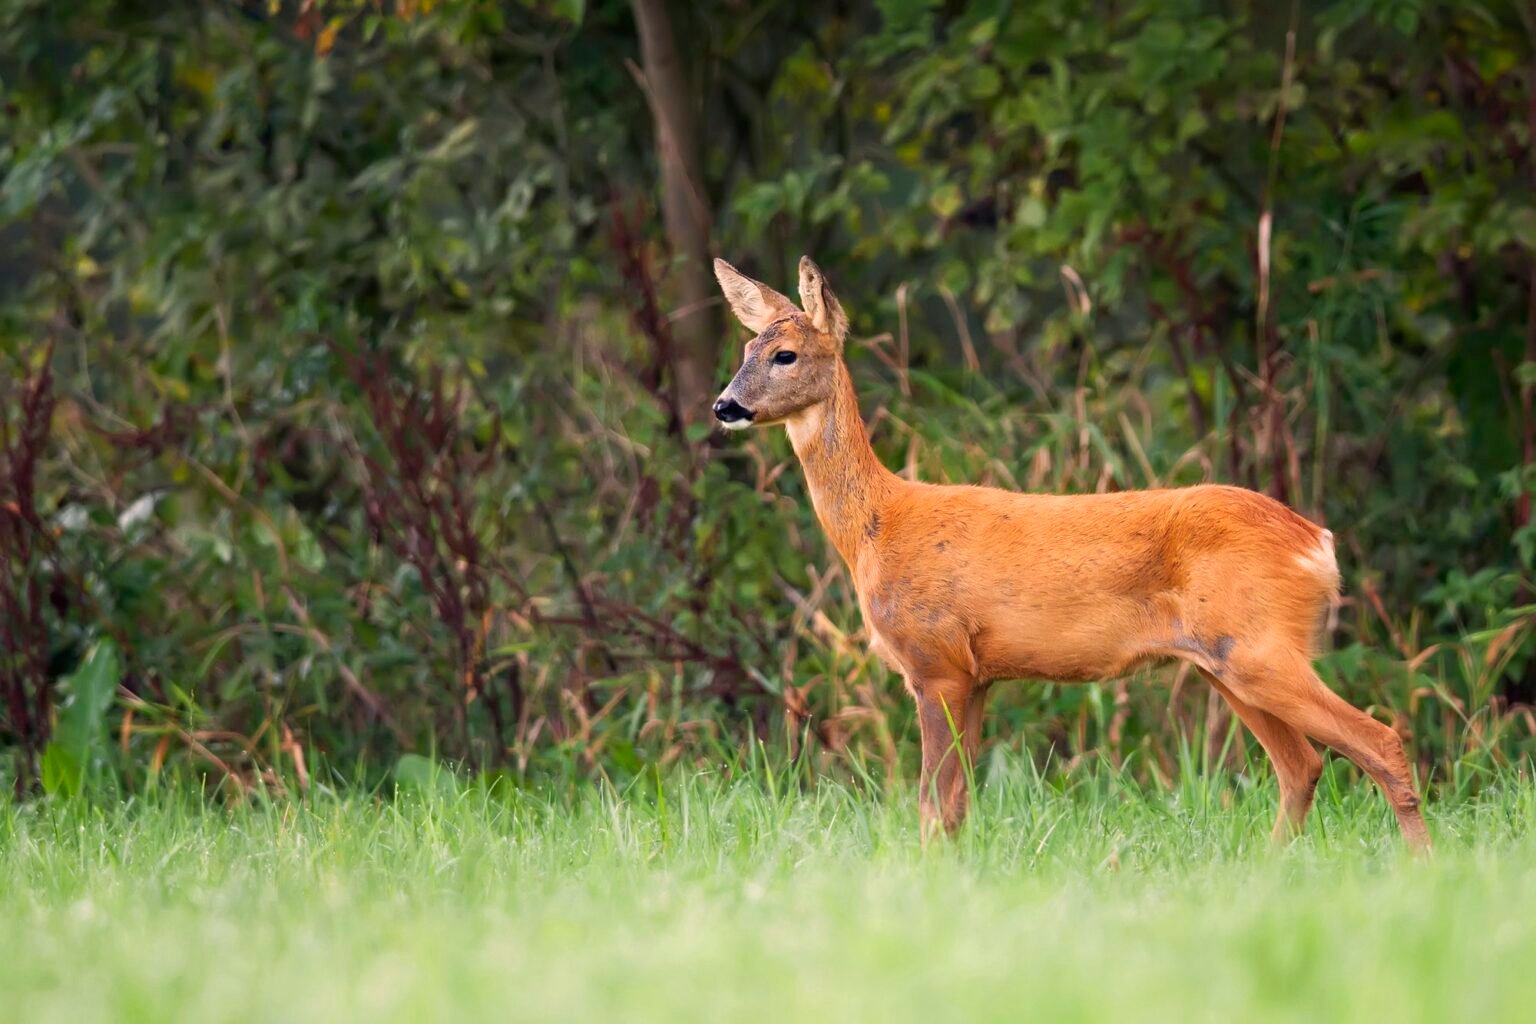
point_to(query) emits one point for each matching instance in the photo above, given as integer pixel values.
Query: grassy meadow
(751, 895)
(356, 366)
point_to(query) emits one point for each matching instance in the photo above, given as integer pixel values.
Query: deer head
(791, 364)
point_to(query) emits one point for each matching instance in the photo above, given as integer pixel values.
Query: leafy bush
(363, 431)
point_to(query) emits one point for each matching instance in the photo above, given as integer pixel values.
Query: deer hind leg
(1287, 687)
(1297, 764)
(944, 717)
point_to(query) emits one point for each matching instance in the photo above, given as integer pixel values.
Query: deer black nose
(728, 410)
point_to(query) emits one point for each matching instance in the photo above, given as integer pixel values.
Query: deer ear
(820, 304)
(754, 303)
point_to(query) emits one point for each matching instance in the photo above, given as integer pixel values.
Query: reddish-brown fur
(961, 586)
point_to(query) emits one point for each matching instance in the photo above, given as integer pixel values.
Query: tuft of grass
(710, 897)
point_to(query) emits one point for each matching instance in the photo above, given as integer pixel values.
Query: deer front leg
(942, 717)
(970, 742)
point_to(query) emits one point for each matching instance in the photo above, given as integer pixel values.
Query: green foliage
(74, 756)
(423, 777)
(365, 442)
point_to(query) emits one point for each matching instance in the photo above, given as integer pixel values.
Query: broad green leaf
(80, 736)
(424, 776)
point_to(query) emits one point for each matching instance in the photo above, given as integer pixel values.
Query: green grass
(755, 899)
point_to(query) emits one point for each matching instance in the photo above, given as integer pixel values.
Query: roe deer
(960, 586)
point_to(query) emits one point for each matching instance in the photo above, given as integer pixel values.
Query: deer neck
(848, 483)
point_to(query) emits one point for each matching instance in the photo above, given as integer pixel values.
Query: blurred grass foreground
(751, 898)
(354, 357)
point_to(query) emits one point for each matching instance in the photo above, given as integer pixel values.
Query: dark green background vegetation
(354, 357)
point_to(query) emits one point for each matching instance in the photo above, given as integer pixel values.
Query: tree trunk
(683, 206)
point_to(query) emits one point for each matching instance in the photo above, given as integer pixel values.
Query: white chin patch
(736, 425)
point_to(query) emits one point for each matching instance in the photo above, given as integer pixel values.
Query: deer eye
(783, 357)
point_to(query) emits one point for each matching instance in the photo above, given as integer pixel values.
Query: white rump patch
(1320, 561)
